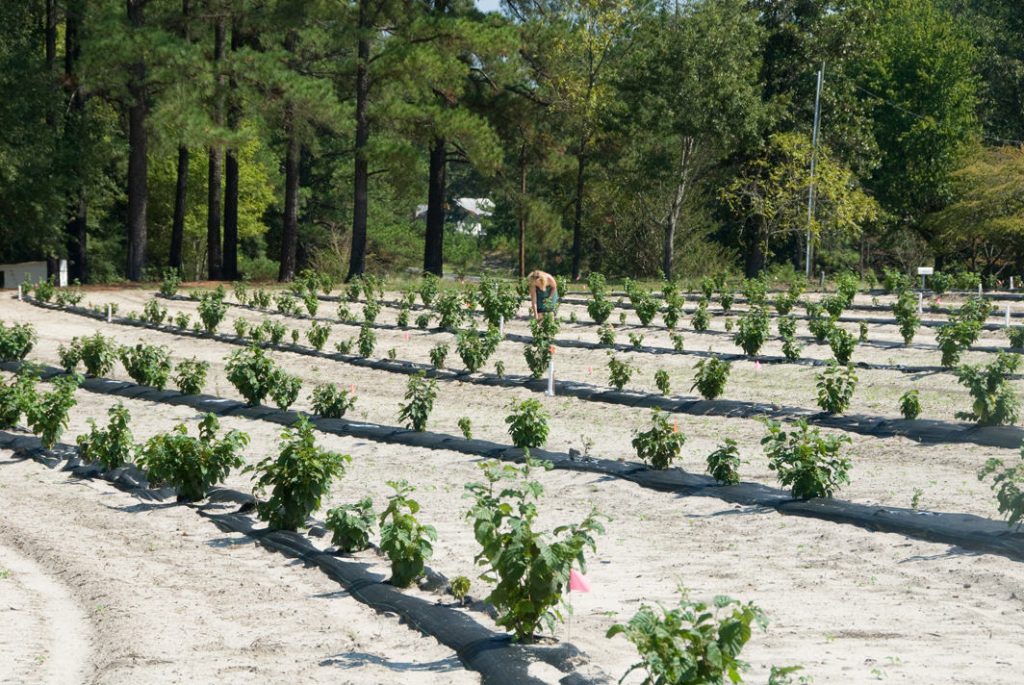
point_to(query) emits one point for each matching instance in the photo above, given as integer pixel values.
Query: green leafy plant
(724, 463)
(905, 311)
(170, 283)
(500, 301)
(286, 303)
(422, 321)
(296, 335)
(701, 319)
(499, 369)
(692, 644)
(212, 310)
(403, 317)
(345, 346)
(475, 348)
(420, 394)
(190, 376)
(835, 387)
(407, 543)
(459, 586)
(241, 292)
(1008, 483)
(98, 354)
(529, 568)
(790, 349)
(910, 404)
(16, 342)
(428, 288)
(47, 416)
(619, 372)
(660, 445)
(528, 423)
(712, 374)
(193, 465)
(297, 478)
(182, 320)
(450, 309)
(147, 364)
(538, 352)
(599, 309)
(842, 344)
(809, 464)
(466, 426)
(153, 312)
(862, 328)
(332, 402)
(351, 525)
(756, 291)
(371, 310)
(311, 302)
(112, 446)
(847, 285)
(366, 341)
(251, 371)
(661, 379)
(995, 402)
(636, 339)
(70, 355)
(726, 299)
(344, 313)
(284, 388)
(318, 334)
(17, 397)
(260, 299)
(241, 327)
(677, 341)
(644, 304)
(44, 289)
(438, 353)
(606, 334)
(753, 330)
(1016, 336)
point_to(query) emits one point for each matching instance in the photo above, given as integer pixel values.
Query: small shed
(13, 275)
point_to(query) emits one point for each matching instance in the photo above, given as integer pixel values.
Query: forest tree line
(231, 138)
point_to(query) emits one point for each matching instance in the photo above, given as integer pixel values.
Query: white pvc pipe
(19, 292)
(920, 303)
(501, 326)
(551, 378)
(110, 313)
(1007, 313)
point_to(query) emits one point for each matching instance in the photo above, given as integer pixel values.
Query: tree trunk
(214, 258)
(360, 181)
(50, 34)
(290, 235)
(433, 251)
(180, 206)
(668, 248)
(138, 166)
(577, 223)
(754, 253)
(522, 212)
(74, 130)
(230, 268)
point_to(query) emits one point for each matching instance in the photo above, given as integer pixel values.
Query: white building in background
(466, 216)
(13, 275)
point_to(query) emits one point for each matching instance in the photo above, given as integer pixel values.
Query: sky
(488, 5)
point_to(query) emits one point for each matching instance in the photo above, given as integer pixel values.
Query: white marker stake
(501, 326)
(19, 292)
(979, 289)
(551, 378)
(1011, 282)
(110, 314)
(1007, 314)
(920, 303)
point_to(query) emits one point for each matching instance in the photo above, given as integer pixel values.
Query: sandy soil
(850, 605)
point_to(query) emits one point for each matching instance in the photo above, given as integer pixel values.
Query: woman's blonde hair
(535, 276)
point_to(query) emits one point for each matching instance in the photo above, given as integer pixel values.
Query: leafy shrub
(619, 372)
(332, 402)
(784, 302)
(16, 342)
(1016, 336)
(701, 319)
(153, 312)
(967, 280)
(791, 349)
(820, 326)
(366, 341)
(345, 346)
(499, 369)
(212, 309)
(420, 394)
(355, 286)
(755, 290)
(862, 328)
(275, 330)
(182, 320)
(112, 446)
(466, 426)
(538, 352)
(787, 327)
(847, 285)
(190, 376)
(661, 379)
(450, 310)
(17, 397)
(995, 402)
(910, 404)
(660, 445)
(296, 334)
(677, 341)
(895, 281)
(712, 374)
(298, 477)
(499, 301)
(753, 330)
(1009, 486)
(528, 423)
(47, 416)
(147, 364)
(344, 313)
(284, 388)
(599, 309)
(805, 461)
(260, 299)
(251, 371)
(403, 317)
(409, 297)
(193, 465)
(459, 587)
(428, 288)
(287, 305)
(636, 339)
(842, 344)
(529, 568)
(70, 355)
(726, 298)
(241, 327)
(438, 354)
(835, 387)
(350, 525)
(597, 284)
(905, 311)
(407, 543)
(724, 463)
(707, 287)
(311, 302)
(954, 338)
(644, 304)
(834, 305)
(371, 310)
(475, 348)
(44, 289)
(98, 354)
(241, 292)
(170, 283)
(318, 334)
(693, 644)
(940, 282)
(422, 321)
(606, 334)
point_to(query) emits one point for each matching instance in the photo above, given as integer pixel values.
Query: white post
(110, 314)
(920, 303)
(1007, 314)
(822, 286)
(19, 292)
(979, 289)
(551, 378)
(501, 326)
(1011, 282)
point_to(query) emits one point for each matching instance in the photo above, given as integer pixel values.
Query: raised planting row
(994, 400)
(811, 465)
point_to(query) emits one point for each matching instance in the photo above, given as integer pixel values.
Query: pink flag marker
(406, 336)
(757, 365)
(352, 390)
(578, 582)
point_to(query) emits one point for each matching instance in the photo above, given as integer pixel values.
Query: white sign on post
(925, 271)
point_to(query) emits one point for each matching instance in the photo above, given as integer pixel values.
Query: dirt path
(173, 600)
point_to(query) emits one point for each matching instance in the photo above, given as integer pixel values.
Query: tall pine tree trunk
(50, 37)
(577, 222)
(522, 212)
(360, 180)
(433, 251)
(230, 270)
(138, 166)
(214, 258)
(74, 134)
(292, 158)
(174, 259)
(668, 248)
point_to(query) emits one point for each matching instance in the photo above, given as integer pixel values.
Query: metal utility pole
(811, 195)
